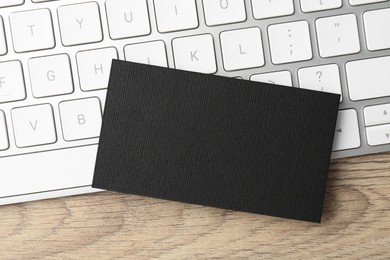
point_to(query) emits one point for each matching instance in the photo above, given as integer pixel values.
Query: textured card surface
(216, 141)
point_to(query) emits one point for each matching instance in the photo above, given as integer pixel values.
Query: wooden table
(355, 224)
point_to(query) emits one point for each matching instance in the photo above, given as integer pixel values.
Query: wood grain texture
(355, 224)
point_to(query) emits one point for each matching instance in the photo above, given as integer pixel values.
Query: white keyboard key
(80, 24)
(61, 170)
(94, 67)
(378, 135)
(337, 35)
(50, 76)
(3, 43)
(81, 119)
(127, 18)
(321, 78)
(368, 78)
(377, 115)
(34, 125)
(195, 53)
(41, 1)
(176, 15)
(11, 82)
(319, 5)
(152, 53)
(272, 8)
(290, 42)
(32, 30)
(347, 134)
(362, 2)
(280, 78)
(242, 49)
(377, 28)
(6, 3)
(4, 144)
(224, 12)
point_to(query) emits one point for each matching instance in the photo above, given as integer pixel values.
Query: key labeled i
(175, 15)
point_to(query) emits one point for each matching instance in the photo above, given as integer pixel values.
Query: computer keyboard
(55, 61)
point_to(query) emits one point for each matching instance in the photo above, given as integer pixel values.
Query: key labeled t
(31, 29)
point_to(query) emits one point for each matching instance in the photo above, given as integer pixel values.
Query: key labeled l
(241, 51)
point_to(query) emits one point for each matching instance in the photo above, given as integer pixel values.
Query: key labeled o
(224, 4)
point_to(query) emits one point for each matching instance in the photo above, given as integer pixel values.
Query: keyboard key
(378, 135)
(176, 15)
(7, 3)
(34, 125)
(81, 119)
(41, 1)
(224, 12)
(152, 53)
(368, 78)
(3, 43)
(61, 170)
(362, 2)
(315, 5)
(266, 8)
(377, 115)
(11, 82)
(195, 53)
(50, 76)
(242, 49)
(127, 18)
(32, 30)
(80, 24)
(94, 67)
(290, 42)
(280, 77)
(377, 28)
(321, 78)
(337, 35)
(347, 131)
(4, 144)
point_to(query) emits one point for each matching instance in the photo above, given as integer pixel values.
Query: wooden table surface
(355, 224)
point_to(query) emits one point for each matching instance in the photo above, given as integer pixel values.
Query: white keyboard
(55, 61)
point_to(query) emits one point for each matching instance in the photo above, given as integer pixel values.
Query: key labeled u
(128, 18)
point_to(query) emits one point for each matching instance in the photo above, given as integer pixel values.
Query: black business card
(216, 141)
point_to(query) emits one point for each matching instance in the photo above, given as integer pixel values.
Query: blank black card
(216, 141)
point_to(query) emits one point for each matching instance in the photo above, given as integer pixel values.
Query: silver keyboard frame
(167, 38)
